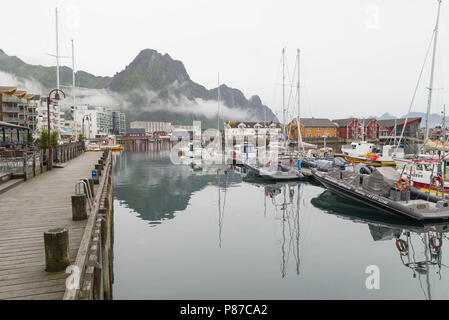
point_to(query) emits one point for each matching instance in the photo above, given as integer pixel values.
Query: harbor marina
(179, 233)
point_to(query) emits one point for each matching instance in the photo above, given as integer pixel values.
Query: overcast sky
(359, 57)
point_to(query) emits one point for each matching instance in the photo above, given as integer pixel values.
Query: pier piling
(56, 249)
(79, 211)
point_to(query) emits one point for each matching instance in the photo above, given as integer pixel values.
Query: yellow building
(312, 128)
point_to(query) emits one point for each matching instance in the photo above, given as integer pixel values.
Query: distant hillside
(435, 118)
(46, 76)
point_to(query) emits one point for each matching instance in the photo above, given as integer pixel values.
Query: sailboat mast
(57, 50)
(432, 72)
(283, 88)
(298, 122)
(218, 107)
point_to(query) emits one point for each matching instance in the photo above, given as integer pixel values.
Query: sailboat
(273, 169)
(428, 171)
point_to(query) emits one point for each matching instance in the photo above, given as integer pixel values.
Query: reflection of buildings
(154, 187)
(419, 246)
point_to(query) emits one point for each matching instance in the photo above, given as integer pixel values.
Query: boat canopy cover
(381, 180)
(430, 145)
(389, 174)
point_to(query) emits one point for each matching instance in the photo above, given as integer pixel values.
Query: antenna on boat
(432, 71)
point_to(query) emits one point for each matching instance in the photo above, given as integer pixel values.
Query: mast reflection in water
(189, 232)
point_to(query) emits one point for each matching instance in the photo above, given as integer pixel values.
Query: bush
(80, 138)
(43, 139)
(54, 139)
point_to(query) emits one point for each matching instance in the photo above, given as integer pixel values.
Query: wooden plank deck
(28, 210)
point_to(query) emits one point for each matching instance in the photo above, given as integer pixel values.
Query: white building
(56, 116)
(240, 130)
(92, 121)
(151, 126)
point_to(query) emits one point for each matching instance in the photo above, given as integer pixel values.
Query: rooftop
(317, 122)
(391, 122)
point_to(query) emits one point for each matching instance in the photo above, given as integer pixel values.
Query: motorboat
(365, 152)
(269, 172)
(384, 189)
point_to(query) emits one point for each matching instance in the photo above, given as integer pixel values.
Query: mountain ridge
(150, 82)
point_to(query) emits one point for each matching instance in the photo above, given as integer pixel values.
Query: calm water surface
(185, 234)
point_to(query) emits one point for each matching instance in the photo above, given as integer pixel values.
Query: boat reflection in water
(285, 198)
(419, 245)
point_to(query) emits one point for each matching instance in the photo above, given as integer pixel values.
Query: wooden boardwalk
(28, 210)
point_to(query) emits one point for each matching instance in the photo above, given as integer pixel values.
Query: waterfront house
(371, 129)
(349, 128)
(315, 128)
(387, 127)
(240, 130)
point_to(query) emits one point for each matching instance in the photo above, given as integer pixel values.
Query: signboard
(94, 174)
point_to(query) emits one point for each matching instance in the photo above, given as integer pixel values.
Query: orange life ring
(402, 246)
(402, 184)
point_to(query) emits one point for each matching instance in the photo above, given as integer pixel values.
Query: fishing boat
(428, 175)
(384, 189)
(365, 152)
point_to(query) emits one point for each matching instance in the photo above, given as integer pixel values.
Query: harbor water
(184, 233)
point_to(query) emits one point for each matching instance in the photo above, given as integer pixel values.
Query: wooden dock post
(99, 169)
(79, 211)
(56, 249)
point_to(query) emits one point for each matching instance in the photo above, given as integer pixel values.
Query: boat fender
(402, 184)
(271, 194)
(270, 163)
(372, 168)
(402, 246)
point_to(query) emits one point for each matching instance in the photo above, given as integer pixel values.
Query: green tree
(80, 138)
(54, 139)
(43, 139)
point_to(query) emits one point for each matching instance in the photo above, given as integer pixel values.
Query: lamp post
(50, 151)
(86, 117)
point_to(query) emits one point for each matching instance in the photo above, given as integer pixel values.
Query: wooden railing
(94, 258)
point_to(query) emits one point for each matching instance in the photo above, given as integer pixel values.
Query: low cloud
(117, 101)
(29, 85)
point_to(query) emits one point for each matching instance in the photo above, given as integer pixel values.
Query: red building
(411, 130)
(372, 129)
(349, 128)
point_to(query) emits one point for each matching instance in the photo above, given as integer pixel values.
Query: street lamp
(50, 151)
(87, 117)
